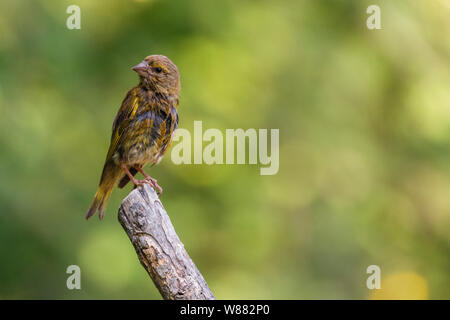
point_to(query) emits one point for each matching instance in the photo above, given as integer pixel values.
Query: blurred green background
(364, 119)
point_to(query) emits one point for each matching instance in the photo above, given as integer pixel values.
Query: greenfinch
(142, 129)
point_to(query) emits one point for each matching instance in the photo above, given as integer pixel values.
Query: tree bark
(159, 249)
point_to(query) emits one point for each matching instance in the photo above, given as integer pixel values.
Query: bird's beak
(140, 68)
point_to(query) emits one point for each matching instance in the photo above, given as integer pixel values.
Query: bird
(142, 130)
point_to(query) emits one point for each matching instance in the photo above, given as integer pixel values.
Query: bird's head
(159, 74)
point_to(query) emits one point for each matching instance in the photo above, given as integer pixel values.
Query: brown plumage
(142, 130)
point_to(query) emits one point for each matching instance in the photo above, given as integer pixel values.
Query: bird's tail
(111, 173)
(125, 179)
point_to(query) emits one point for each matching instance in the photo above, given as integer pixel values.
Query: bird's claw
(151, 181)
(140, 182)
(147, 179)
(154, 183)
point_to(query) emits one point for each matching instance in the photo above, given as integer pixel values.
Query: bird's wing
(126, 112)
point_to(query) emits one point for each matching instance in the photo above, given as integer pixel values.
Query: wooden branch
(159, 249)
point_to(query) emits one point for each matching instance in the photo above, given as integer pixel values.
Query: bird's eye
(158, 69)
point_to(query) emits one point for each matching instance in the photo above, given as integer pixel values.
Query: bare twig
(159, 249)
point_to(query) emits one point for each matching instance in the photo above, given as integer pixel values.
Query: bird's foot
(138, 183)
(152, 181)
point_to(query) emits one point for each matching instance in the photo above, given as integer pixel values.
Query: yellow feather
(117, 135)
